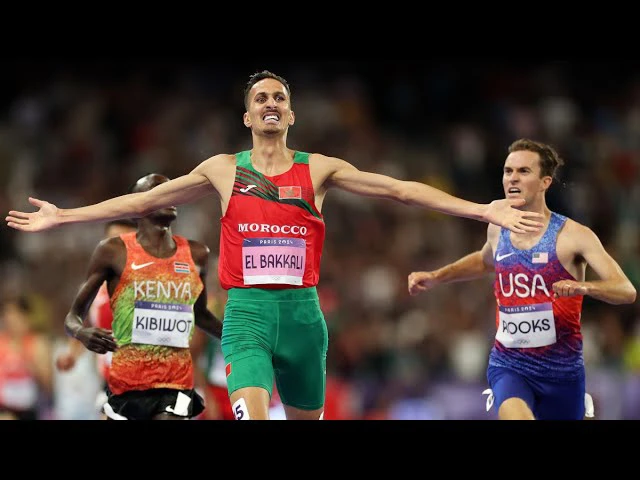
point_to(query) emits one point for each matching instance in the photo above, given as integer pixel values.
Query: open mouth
(271, 118)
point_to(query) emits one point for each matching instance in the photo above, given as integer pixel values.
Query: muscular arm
(613, 285)
(184, 189)
(205, 320)
(470, 267)
(500, 212)
(101, 269)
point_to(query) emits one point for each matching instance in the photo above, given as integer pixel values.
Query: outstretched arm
(613, 285)
(184, 189)
(100, 270)
(470, 267)
(499, 212)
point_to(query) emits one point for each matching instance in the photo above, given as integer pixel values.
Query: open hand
(504, 214)
(44, 219)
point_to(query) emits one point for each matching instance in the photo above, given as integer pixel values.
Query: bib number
(526, 326)
(162, 324)
(273, 260)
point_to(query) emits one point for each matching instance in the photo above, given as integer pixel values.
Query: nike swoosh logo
(142, 265)
(502, 257)
(247, 188)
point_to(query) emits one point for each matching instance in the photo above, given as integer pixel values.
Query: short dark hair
(550, 161)
(256, 77)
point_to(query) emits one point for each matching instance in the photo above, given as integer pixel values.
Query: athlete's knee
(250, 403)
(293, 413)
(515, 409)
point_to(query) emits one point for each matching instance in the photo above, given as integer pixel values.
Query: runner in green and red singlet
(270, 246)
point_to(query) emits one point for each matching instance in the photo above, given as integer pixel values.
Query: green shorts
(281, 333)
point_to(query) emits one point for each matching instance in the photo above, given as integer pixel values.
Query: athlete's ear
(546, 182)
(292, 118)
(246, 120)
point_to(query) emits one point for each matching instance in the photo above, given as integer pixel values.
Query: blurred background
(76, 133)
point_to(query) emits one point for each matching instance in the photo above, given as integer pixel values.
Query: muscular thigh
(561, 401)
(300, 355)
(248, 337)
(507, 384)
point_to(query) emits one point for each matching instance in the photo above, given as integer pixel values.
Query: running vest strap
(272, 234)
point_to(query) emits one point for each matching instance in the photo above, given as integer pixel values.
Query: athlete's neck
(157, 240)
(271, 156)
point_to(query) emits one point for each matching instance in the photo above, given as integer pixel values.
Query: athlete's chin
(515, 196)
(271, 130)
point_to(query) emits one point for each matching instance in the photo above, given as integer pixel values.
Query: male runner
(536, 367)
(155, 282)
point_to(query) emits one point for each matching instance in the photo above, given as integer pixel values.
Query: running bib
(273, 260)
(165, 324)
(526, 326)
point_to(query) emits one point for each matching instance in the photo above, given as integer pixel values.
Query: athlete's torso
(537, 334)
(272, 234)
(153, 319)
(18, 386)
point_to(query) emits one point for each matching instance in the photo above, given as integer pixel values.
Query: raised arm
(184, 189)
(100, 270)
(612, 287)
(499, 212)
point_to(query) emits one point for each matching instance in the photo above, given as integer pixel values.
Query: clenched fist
(569, 288)
(421, 282)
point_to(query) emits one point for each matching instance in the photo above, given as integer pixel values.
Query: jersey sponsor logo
(522, 286)
(247, 188)
(142, 265)
(150, 289)
(502, 257)
(266, 228)
(289, 193)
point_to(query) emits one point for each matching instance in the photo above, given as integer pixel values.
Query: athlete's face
(521, 176)
(269, 108)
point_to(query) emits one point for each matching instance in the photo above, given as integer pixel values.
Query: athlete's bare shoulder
(321, 167)
(576, 236)
(219, 170)
(199, 252)
(110, 253)
(217, 164)
(110, 245)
